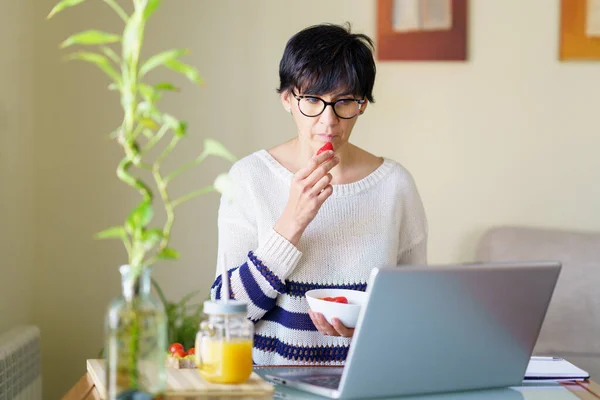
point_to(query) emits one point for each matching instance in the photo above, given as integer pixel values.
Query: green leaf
(62, 5)
(146, 91)
(168, 254)
(111, 54)
(215, 148)
(117, 8)
(151, 237)
(150, 94)
(151, 7)
(149, 111)
(161, 59)
(91, 37)
(166, 86)
(186, 332)
(140, 216)
(149, 123)
(187, 298)
(100, 61)
(160, 292)
(179, 127)
(190, 72)
(111, 233)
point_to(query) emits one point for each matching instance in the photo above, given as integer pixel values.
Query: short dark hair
(328, 58)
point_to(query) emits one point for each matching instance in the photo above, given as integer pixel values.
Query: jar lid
(222, 307)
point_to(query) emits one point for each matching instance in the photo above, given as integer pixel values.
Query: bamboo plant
(146, 134)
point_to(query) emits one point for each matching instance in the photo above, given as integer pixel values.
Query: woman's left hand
(337, 329)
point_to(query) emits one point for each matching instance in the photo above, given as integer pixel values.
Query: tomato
(176, 346)
(191, 351)
(179, 353)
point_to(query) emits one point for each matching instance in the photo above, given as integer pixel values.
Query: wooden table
(84, 389)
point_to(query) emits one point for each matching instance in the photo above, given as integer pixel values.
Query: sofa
(571, 328)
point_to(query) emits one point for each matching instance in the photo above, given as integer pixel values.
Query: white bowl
(346, 313)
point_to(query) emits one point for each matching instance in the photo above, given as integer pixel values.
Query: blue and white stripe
(284, 332)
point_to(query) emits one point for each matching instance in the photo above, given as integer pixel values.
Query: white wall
(16, 165)
(509, 137)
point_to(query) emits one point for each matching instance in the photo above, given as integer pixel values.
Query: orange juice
(222, 361)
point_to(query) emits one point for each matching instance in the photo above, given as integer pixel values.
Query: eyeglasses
(312, 106)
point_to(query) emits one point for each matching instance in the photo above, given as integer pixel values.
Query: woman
(301, 221)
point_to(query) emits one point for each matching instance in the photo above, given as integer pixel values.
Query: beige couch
(572, 325)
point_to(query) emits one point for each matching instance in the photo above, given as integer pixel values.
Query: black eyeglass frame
(328, 103)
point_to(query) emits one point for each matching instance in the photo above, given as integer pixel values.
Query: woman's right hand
(311, 186)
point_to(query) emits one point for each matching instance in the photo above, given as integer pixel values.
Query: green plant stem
(167, 150)
(111, 54)
(146, 166)
(184, 168)
(159, 291)
(134, 351)
(124, 175)
(117, 8)
(138, 129)
(162, 190)
(191, 195)
(127, 244)
(155, 139)
(169, 211)
(164, 194)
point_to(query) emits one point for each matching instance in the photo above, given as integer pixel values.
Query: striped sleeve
(257, 267)
(255, 281)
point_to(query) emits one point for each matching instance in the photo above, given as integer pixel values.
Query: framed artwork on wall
(579, 30)
(422, 30)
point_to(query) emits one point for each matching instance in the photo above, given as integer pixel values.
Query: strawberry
(326, 146)
(339, 299)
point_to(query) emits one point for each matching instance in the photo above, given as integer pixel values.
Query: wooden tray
(188, 383)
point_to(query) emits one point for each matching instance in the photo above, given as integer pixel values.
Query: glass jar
(224, 342)
(136, 340)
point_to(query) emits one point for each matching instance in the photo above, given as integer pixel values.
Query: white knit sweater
(376, 221)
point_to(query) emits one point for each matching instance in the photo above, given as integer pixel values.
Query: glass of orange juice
(224, 342)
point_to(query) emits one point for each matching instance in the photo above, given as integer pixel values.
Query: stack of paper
(553, 369)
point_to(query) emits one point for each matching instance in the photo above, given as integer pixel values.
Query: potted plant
(137, 324)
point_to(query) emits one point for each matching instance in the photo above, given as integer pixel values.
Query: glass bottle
(224, 342)
(136, 340)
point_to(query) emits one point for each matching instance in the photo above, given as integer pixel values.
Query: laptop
(432, 329)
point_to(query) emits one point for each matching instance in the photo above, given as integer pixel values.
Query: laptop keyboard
(329, 382)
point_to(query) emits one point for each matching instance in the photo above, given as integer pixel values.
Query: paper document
(553, 369)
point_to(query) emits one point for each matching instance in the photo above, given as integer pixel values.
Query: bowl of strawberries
(179, 358)
(343, 304)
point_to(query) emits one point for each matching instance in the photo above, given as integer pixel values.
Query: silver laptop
(432, 329)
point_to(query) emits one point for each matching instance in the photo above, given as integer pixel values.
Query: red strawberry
(326, 146)
(340, 299)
